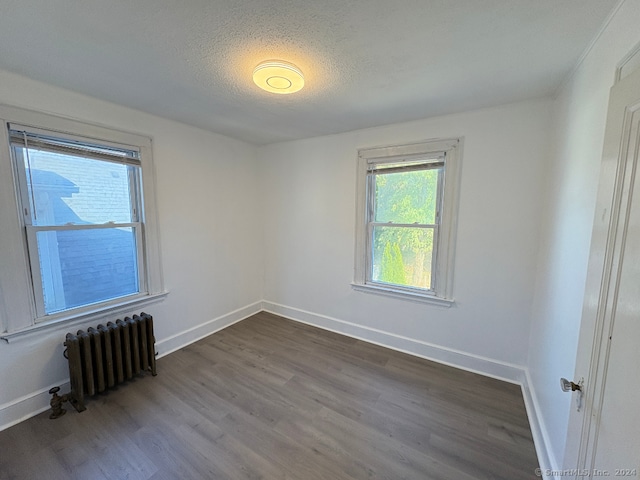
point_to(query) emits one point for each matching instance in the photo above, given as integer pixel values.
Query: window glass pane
(80, 267)
(66, 189)
(406, 197)
(402, 256)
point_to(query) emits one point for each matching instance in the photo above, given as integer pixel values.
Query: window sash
(36, 273)
(406, 225)
(28, 203)
(371, 223)
(93, 150)
(370, 259)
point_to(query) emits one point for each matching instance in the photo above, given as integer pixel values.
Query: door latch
(569, 386)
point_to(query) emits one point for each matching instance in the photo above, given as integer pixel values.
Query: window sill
(403, 294)
(66, 321)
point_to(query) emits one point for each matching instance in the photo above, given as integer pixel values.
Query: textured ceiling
(366, 62)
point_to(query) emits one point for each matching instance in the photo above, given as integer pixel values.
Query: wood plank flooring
(269, 398)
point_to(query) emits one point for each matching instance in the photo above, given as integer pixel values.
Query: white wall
(580, 115)
(525, 207)
(309, 209)
(207, 190)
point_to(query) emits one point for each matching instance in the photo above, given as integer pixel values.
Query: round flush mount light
(276, 76)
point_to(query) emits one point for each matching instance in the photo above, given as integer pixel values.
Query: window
(81, 209)
(406, 211)
(88, 233)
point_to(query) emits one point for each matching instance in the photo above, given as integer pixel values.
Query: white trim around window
(444, 154)
(20, 309)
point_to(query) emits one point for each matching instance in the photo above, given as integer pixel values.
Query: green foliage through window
(404, 224)
(392, 266)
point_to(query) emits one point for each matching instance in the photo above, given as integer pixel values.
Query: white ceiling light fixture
(277, 76)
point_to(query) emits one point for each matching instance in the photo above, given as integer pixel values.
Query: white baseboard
(466, 361)
(546, 458)
(474, 363)
(27, 406)
(32, 404)
(182, 339)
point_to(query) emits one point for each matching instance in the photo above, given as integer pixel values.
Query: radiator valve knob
(56, 403)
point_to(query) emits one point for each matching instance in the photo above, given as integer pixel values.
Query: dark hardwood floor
(274, 399)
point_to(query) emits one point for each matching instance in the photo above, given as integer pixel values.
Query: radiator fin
(103, 357)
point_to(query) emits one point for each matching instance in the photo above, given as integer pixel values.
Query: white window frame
(447, 151)
(23, 312)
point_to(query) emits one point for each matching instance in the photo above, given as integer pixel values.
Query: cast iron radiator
(103, 357)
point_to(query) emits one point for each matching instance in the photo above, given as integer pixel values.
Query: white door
(608, 432)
